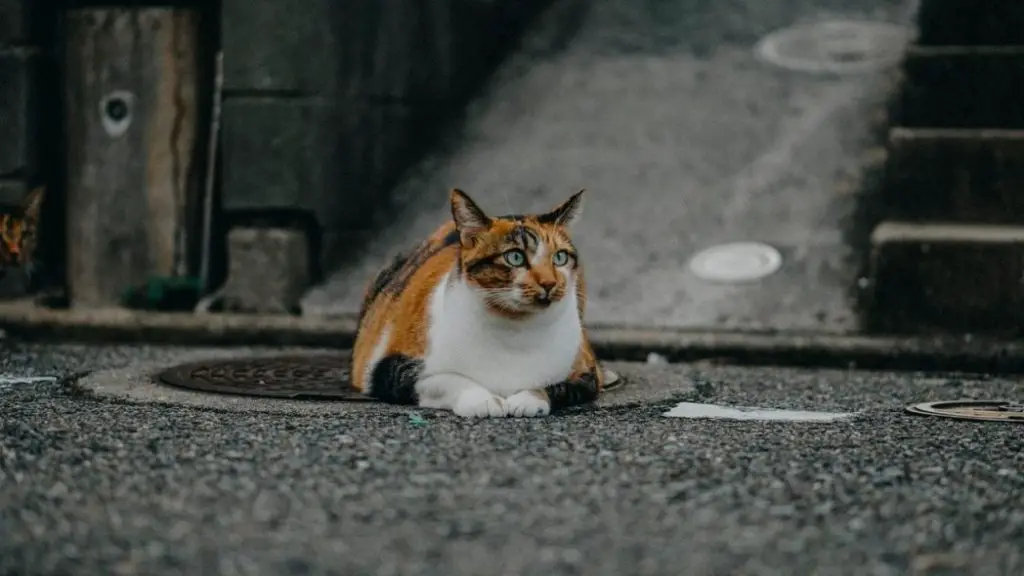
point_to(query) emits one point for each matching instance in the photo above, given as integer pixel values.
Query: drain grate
(296, 377)
(312, 377)
(988, 410)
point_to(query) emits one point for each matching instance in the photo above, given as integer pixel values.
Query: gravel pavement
(89, 486)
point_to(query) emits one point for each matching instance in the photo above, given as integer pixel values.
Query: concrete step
(947, 277)
(948, 254)
(963, 87)
(970, 22)
(964, 175)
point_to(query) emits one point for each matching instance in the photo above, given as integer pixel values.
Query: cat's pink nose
(546, 288)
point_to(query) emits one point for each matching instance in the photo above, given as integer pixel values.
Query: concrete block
(969, 176)
(15, 25)
(947, 277)
(18, 131)
(330, 158)
(384, 48)
(413, 50)
(268, 270)
(277, 46)
(963, 87)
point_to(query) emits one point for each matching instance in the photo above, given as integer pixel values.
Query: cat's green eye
(515, 258)
(560, 258)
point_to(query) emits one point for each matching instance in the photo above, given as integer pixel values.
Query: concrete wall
(327, 102)
(19, 66)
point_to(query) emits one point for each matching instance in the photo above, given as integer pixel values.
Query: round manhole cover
(990, 410)
(320, 377)
(736, 262)
(314, 377)
(835, 46)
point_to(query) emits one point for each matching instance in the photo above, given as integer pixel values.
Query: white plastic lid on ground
(736, 262)
(835, 46)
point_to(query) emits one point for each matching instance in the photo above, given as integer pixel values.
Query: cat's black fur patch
(423, 252)
(394, 379)
(484, 262)
(573, 392)
(394, 276)
(454, 237)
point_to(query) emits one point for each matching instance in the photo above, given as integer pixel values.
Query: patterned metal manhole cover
(736, 262)
(989, 410)
(835, 46)
(313, 377)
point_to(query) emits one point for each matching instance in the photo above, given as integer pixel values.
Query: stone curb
(948, 277)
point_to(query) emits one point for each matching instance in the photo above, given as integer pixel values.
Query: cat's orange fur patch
(403, 311)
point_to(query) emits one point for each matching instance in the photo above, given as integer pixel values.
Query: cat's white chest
(504, 356)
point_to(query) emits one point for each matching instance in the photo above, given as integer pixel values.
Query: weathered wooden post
(132, 112)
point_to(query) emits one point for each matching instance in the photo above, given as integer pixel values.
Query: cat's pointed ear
(469, 218)
(567, 212)
(32, 205)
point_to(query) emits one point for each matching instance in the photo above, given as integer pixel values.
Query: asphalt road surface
(90, 486)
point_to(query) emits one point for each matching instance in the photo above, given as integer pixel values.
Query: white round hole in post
(116, 112)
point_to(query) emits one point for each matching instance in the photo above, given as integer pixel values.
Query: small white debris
(655, 358)
(610, 377)
(696, 410)
(8, 381)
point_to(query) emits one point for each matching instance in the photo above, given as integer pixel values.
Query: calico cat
(484, 318)
(18, 233)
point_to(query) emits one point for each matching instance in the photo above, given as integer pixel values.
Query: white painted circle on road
(712, 411)
(736, 262)
(835, 46)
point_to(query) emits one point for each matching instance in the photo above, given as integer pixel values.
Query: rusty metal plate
(988, 410)
(307, 377)
(297, 377)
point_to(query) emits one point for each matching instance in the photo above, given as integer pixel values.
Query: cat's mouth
(543, 301)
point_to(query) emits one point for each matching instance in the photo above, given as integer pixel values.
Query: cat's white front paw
(527, 404)
(479, 403)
